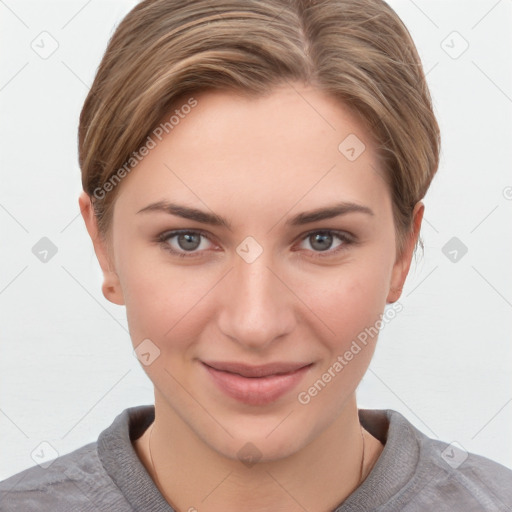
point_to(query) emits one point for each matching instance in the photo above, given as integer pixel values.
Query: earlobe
(402, 265)
(111, 287)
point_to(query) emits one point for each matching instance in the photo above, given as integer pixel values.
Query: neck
(190, 474)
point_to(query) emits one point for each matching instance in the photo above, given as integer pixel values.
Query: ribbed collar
(392, 472)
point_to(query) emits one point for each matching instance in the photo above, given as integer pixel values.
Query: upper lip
(255, 371)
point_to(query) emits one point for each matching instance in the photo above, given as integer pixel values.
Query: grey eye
(188, 241)
(321, 241)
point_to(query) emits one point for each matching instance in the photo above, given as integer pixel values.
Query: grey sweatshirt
(413, 473)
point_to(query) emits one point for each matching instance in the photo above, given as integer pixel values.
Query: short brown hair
(358, 51)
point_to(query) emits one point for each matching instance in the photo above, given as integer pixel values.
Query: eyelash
(347, 240)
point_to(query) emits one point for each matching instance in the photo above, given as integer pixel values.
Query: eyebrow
(213, 219)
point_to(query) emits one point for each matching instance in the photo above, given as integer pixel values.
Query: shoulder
(415, 473)
(75, 481)
(466, 477)
(454, 479)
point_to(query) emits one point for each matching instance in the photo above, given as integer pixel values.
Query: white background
(66, 364)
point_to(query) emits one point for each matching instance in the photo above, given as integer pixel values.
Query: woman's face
(270, 282)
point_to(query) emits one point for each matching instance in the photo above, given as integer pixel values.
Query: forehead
(293, 144)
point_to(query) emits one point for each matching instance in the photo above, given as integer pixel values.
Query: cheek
(351, 297)
(351, 305)
(163, 301)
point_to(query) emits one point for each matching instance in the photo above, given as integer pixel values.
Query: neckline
(398, 459)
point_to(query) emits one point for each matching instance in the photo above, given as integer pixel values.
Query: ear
(111, 287)
(402, 265)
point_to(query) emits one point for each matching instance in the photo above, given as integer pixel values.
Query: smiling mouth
(256, 385)
(248, 371)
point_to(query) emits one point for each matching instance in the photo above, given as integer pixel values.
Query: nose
(257, 307)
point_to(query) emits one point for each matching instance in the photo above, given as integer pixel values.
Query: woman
(253, 174)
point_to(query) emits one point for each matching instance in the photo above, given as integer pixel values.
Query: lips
(266, 370)
(256, 385)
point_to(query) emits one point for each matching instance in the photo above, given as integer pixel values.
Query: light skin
(257, 163)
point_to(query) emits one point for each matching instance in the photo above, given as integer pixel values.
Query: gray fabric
(410, 475)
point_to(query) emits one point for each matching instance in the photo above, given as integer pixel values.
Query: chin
(261, 439)
(259, 450)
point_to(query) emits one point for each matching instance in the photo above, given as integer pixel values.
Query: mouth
(266, 370)
(256, 385)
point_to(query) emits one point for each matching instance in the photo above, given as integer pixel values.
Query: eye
(191, 243)
(184, 243)
(322, 242)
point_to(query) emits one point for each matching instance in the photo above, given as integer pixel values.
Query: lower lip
(256, 390)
